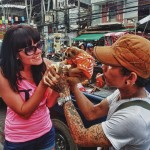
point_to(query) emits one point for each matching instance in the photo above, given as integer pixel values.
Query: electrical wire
(92, 15)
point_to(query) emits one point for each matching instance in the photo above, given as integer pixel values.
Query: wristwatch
(62, 100)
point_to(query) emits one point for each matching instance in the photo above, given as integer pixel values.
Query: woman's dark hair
(82, 44)
(140, 82)
(15, 38)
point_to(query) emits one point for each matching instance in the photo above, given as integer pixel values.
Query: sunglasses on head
(30, 50)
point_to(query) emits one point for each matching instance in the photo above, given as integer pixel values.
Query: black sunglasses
(30, 50)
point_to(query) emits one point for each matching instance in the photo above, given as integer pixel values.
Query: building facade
(105, 11)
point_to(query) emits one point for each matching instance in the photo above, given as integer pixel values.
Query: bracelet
(62, 100)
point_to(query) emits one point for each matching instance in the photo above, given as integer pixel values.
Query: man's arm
(88, 137)
(89, 110)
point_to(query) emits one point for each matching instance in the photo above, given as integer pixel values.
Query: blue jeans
(45, 142)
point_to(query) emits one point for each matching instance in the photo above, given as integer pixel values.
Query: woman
(28, 124)
(126, 66)
(82, 45)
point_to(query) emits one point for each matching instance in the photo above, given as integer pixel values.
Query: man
(89, 48)
(126, 66)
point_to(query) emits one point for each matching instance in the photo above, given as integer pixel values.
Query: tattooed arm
(88, 137)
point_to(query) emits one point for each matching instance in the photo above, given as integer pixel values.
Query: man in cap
(126, 66)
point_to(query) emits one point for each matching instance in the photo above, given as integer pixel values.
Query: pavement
(2, 122)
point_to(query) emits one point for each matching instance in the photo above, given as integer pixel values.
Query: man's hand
(77, 73)
(73, 81)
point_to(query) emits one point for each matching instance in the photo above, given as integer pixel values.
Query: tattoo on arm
(93, 136)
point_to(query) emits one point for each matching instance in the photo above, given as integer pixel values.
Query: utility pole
(90, 15)
(56, 17)
(66, 18)
(3, 9)
(42, 10)
(79, 14)
(26, 4)
(29, 11)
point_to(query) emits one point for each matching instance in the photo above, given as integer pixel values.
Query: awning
(88, 37)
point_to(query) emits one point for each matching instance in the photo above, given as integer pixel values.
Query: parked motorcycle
(56, 57)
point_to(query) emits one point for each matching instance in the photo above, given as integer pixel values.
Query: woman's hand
(51, 78)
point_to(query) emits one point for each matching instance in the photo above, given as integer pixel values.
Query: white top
(128, 128)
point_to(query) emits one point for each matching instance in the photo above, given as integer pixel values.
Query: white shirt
(128, 128)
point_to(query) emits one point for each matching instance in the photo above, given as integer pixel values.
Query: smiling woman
(22, 73)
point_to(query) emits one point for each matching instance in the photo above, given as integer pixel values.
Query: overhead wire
(99, 13)
(93, 15)
(85, 16)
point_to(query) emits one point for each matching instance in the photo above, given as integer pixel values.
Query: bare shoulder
(2, 78)
(13, 99)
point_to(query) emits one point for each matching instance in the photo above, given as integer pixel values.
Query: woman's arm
(16, 103)
(52, 95)
(52, 98)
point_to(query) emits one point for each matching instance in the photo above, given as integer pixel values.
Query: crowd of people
(87, 47)
(32, 82)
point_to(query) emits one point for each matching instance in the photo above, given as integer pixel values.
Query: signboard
(57, 41)
(65, 3)
(61, 3)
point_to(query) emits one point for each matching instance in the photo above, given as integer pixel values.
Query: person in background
(126, 66)
(22, 73)
(100, 81)
(54, 49)
(89, 48)
(63, 53)
(82, 45)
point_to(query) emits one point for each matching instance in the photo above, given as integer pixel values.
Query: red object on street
(81, 87)
(99, 80)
